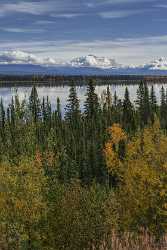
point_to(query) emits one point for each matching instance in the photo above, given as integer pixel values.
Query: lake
(6, 93)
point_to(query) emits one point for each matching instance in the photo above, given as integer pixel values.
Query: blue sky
(131, 31)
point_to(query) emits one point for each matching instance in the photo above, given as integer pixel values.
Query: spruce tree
(2, 127)
(12, 114)
(146, 111)
(91, 106)
(163, 109)
(140, 102)
(48, 113)
(115, 101)
(107, 108)
(58, 109)
(128, 119)
(44, 110)
(34, 105)
(2, 115)
(117, 109)
(153, 104)
(143, 104)
(108, 99)
(19, 109)
(72, 109)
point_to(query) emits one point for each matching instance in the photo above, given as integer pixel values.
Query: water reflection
(6, 93)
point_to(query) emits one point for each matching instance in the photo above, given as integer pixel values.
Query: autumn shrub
(22, 203)
(141, 193)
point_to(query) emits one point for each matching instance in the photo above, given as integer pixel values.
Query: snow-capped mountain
(94, 61)
(160, 64)
(19, 62)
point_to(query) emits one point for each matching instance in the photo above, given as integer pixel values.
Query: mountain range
(23, 63)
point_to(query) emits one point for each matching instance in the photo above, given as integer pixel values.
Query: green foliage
(72, 107)
(91, 103)
(128, 116)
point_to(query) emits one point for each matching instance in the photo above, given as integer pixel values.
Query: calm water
(6, 93)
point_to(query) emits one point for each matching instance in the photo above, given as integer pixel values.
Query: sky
(130, 31)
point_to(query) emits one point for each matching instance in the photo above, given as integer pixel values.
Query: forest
(92, 179)
(80, 80)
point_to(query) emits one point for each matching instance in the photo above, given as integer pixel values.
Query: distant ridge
(23, 63)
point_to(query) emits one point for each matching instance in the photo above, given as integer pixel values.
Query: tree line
(80, 80)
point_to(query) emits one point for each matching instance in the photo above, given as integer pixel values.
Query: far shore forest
(88, 180)
(80, 80)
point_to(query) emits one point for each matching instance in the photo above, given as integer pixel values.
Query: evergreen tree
(163, 109)
(12, 113)
(146, 111)
(73, 112)
(58, 109)
(19, 109)
(34, 105)
(107, 108)
(153, 104)
(117, 109)
(2, 115)
(128, 119)
(140, 102)
(48, 112)
(143, 104)
(91, 106)
(44, 110)
(67, 169)
(115, 101)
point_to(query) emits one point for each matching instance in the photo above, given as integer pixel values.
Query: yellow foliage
(111, 148)
(22, 202)
(143, 173)
(112, 159)
(117, 134)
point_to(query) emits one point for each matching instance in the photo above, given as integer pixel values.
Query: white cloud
(161, 6)
(44, 22)
(119, 13)
(34, 8)
(22, 30)
(39, 8)
(20, 57)
(17, 57)
(124, 50)
(67, 15)
(95, 3)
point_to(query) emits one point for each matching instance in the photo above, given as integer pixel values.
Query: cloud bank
(20, 57)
